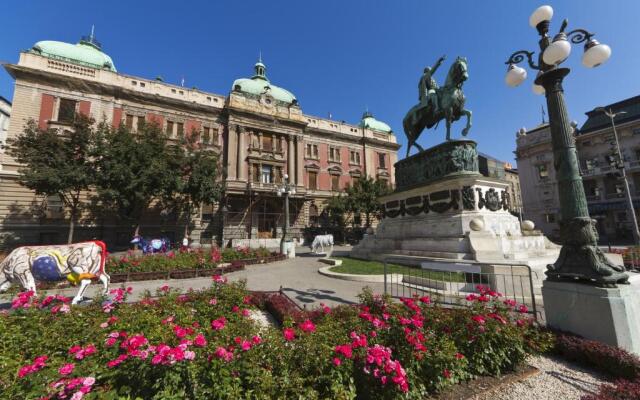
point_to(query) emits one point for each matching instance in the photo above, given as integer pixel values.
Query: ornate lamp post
(620, 165)
(580, 258)
(285, 190)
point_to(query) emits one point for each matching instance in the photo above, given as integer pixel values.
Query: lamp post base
(581, 259)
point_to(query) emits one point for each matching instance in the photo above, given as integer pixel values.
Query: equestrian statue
(438, 103)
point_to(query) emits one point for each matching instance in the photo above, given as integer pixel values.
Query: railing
(451, 281)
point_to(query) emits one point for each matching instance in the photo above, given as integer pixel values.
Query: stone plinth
(443, 208)
(610, 316)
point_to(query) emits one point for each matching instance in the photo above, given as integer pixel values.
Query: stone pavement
(299, 279)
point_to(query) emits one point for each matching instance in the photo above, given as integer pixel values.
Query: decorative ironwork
(518, 57)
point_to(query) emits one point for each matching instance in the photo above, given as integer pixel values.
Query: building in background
(595, 145)
(493, 168)
(5, 115)
(258, 128)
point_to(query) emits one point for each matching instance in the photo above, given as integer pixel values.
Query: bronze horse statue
(451, 106)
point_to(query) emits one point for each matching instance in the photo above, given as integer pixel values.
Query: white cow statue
(77, 262)
(321, 241)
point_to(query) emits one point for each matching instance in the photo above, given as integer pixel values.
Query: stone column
(232, 153)
(299, 161)
(291, 159)
(243, 174)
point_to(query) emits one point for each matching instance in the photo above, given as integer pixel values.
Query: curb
(357, 278)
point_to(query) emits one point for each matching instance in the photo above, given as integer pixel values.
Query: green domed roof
(87, 52)
(369, 122)
(259, 84)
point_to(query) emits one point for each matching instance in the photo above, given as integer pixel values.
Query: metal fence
(451, 281)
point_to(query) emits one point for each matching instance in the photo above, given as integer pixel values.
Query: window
(129, 121)
(207, 212)
(313, 180)
(311, 151)
(354, 157)
(180, 130)
(543, 172)
(591, 164)
(267, 142)
(382, 161)
(140, 123)
(169, 128)
(278, 174)
(266, 176)
(355, 180)
(67, 110)
(335, 182)
(636, 131)
(142, 84)
(622, 216)
(334, 154)
(206, 135)
(550, 218)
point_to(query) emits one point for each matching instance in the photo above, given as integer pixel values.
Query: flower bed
(203, 344)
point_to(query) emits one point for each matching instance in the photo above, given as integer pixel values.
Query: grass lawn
(363, 267)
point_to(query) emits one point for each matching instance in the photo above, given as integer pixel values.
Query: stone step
(432, 255)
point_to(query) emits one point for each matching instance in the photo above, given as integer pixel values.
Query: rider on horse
(427, 86)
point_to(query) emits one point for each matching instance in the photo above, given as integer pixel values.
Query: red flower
(289, 334)
(337, 361)
(200, 340)
(66, 369)
(219, 323)
(479, 319)
(446, 373)
(523, 309)
(308, 326)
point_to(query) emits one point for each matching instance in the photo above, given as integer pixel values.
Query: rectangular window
(313, 180)
(335, 182)
(267, 142)
(278, 175)
(550, 218)
(67, 110)
(307, 152)
(543, 172)
(170, 128)
(129, 121)
(354, 180)
(334, 154)
(382, 161)
(180, 130)
(140, 123)
(355, 157)
(206, 135)
(207, 212)
(267, 174)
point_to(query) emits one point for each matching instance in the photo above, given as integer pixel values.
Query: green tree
(133, 170)
(362, 197)
(199, 178)
(57, 162)
(336, 208)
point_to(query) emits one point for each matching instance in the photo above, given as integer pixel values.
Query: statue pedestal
(610, 316)
(443, 208)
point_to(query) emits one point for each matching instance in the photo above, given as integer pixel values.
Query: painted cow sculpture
(321, 241)
(77, 262)
(161, 245)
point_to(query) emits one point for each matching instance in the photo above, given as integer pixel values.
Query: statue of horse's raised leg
(468, 113)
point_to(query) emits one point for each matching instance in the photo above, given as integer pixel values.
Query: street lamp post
(620, 165)
(580, 258)
(285, 190)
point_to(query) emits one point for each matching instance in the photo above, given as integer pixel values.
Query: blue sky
(341, 56)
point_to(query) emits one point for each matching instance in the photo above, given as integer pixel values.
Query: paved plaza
(298, 278)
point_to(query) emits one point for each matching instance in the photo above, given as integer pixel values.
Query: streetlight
(285, 190)
(580, 258)
(620, 165)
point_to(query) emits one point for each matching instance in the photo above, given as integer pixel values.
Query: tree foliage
(133, 170)
(199, 176)
(56, 162)
(362, 197)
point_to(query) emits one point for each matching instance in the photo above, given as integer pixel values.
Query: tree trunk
(368, 219)
(72, 223)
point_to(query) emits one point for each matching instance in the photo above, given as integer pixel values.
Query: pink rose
(307, 326)
(66, 369)
(200, 340)
(289, 334)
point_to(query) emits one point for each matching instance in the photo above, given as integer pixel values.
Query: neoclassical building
(258, 128)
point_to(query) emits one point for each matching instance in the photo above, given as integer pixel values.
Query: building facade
(604, 188)
(494, 168)
(5, 115)
(258, 129)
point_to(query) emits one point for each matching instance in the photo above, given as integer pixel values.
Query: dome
(87, 52)
(368, 121)
(259, 84)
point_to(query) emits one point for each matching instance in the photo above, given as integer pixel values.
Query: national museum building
(258, 129)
